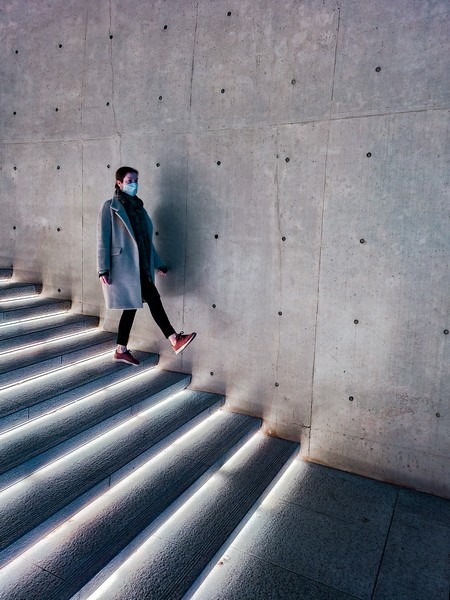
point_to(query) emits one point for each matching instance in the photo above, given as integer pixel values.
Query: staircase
(115, 481)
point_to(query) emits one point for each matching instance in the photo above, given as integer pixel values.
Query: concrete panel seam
(83, 75)
(207, 131)
(369, 440)
(119, 135)
(388, 532)
(321, 229)
(193, 65)
(280, 259)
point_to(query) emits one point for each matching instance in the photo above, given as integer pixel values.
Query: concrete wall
(294, 157)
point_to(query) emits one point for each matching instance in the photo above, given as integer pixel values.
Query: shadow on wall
(170, 218)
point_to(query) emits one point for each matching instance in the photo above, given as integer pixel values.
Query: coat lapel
(119, 209)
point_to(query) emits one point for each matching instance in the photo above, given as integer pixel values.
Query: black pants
(151, 296)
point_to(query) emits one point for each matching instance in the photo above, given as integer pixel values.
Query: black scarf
(136, 213)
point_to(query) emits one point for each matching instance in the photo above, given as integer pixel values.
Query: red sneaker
(183, 340)
(125, 357)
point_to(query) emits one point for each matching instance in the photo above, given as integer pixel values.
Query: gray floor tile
(412, 507)
(243, 577)
(416, 562)
(339, 554)
(339, 494)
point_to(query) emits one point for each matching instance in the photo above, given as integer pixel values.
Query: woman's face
(129, 178)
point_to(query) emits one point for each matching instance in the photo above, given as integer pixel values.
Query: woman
(127, 261)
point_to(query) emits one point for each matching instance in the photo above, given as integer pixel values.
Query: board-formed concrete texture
(294, 158)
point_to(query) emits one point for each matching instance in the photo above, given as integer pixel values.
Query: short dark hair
(122, 171)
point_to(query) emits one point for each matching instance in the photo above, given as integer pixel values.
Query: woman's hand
(162, 270)
(105, 279)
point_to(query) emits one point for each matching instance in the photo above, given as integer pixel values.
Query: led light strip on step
(55, 370)
(18, 298)
(48, 342)
(90, 397)
(95, 504)
(285, 476)
(210, 484)
(33, 318)
(89, 445)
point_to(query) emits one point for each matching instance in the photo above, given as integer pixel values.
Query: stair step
(10, 291)
(188, 545)
(31, 362)
(31, 308)
(31, 399)
(6, 273)
(57, 567)
(115, 481)
(18, 335)
(81, 421)
(30, 503)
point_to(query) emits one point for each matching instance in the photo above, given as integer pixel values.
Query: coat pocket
(116, 251)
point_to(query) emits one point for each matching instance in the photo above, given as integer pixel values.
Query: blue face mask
(130, 188)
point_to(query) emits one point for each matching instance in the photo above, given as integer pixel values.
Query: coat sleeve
(104, 238)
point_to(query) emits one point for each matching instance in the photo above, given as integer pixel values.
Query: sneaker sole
(125, 361)
(186, 344)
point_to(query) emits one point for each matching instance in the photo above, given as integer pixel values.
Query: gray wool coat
(117, 252)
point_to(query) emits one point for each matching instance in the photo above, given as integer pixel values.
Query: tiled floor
(324, 534)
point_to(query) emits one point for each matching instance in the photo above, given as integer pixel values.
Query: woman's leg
(151, 296)
(125, 324)
(122, 354)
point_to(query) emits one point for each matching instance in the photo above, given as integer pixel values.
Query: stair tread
(59, 347)
(17, 289)
(30, 399)
(6, 273)
(117, 517)
(28, 441)
(34, 499)
(41, 360)
(17, 334)
(19, 284)
(21, 303)
(28, 308)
